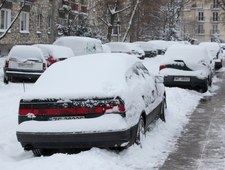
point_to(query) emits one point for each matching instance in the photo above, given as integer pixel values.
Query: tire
(5, 80)
(162, 111)
(140, 131)
(204, 87)
(38, 152)
(210, 81)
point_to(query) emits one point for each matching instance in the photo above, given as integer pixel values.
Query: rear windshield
(26, 53)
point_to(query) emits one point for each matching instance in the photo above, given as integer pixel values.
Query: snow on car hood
(101, 75)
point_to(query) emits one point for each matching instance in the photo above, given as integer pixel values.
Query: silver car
(24, 62)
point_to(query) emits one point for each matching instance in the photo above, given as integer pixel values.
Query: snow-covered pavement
(159, 141)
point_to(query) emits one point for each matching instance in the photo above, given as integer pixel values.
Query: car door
(147, 86)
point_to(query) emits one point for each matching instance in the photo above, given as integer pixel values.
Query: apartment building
(203, 20)
(38, 20)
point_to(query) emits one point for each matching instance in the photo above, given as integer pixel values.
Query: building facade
(203, 20)
(38, 20)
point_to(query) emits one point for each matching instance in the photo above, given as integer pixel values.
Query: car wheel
(140, 131)
(162, 111)
(5, 80)
(204, 87)
(38, 152)
(210, 81)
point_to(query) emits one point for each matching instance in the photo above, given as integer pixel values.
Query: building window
(215, 16)
(215, 4)
(38, 22)
(24, 22)
(200, 16)
(5, 19)
(215, 29)
(200, 29)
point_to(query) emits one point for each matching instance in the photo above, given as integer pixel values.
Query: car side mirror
(159, 79)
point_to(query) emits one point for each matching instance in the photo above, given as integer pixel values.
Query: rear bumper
(194, 82)
(30, 140)
(26, 74)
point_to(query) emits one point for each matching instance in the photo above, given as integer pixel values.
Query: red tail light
(77, 108)
(44, 66)
(72, 111)
(161, 67)
(51, 60)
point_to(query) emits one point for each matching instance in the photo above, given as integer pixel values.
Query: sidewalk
(202, 144)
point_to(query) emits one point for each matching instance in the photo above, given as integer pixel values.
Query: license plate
(186, 79)
(25, 65)
(67, 118)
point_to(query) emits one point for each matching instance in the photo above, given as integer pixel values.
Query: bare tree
(131, 19)
(171, 13)
(112, 13)
(222, 4)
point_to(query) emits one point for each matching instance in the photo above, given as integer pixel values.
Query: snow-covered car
(80, 45)
(24, 62)
(106, 48)
(126, 47)
(149, 49)
(96, 100)
(160, 45)
(187, 66)
(54, 53)
(215, 51)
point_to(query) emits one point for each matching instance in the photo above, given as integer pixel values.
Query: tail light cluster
(51, 60)
(74, 108)
(44, 66)
(161, 67)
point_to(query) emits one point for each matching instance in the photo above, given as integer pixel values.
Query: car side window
(138, 71)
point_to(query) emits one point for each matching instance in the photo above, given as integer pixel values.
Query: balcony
(75, 7)
(84, 9)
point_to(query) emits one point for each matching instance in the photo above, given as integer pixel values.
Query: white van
(80, 45)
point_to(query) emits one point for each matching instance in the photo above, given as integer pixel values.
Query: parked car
(24, 62)
(54, 53)
(149, 49)
(215, 51)
(80, 45)
(98, 100)
(160, 45)
(187, 66)
(126, 47)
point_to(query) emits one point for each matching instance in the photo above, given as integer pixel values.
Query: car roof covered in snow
(188, 53)
(83, 76)
(26, 51)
